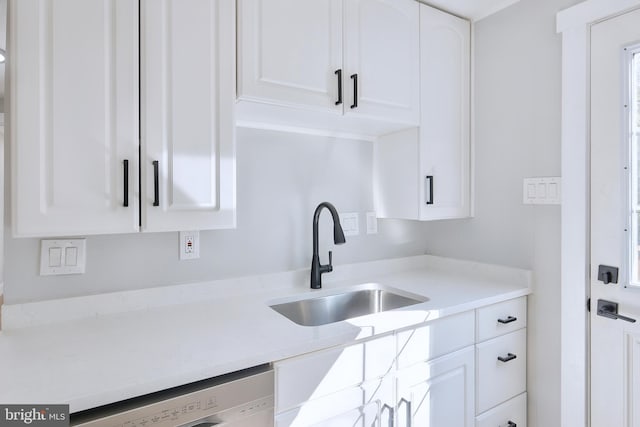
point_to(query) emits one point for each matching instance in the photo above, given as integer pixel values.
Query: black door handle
(512, 424)
(509, 319)
(125, 167)
(339, 74)
(508, 357)
(609, 309)
(156, 183)
(354, 77)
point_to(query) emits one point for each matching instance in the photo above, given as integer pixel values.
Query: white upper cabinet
(74, 116)
(381, 52)
(444, 119)
(81, 135)
(188, 149)
(424, 173)
(340, 65)
(289, 51)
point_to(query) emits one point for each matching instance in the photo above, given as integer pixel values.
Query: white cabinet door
(438, 393)
(444, 118)
(381, 48)
(424, 173)
(289, 51)
(188, 140)
(74, 121)
(367, 405)
(322, 373)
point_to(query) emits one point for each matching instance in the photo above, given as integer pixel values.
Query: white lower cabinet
(437, 393)
(368, 404)
(512, 413)
(501, 364)
(436, 374)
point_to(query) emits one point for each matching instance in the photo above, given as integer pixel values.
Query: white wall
(517, 115)
(281, 179)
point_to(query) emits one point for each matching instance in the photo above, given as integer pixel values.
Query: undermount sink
(342, 306)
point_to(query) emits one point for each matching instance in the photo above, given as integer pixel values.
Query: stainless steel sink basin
(347, 305)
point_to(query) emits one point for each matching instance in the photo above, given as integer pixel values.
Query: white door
(445, 66)
(290, 52)
(74, 123)
(188, 96)
(439, 392)
(382, 59)
(615, 210)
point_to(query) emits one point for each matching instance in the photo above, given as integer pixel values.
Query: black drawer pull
(156, 183)
(125, 166)
(508, 357)
(509, 319)
(512, 424)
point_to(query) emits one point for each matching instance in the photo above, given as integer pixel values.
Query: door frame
(574, 24)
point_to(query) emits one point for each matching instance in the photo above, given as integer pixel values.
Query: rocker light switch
(60, 256)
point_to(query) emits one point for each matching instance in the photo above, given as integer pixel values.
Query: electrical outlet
(189, 245)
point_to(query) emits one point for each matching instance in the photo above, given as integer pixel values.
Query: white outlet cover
(186, 251)
(62, 256)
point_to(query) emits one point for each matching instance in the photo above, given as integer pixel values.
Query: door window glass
(634, 157)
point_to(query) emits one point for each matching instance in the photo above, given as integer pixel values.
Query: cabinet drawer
(435, 339)
(318, 374)
(502, 318)
(513, 411)
(499, 380)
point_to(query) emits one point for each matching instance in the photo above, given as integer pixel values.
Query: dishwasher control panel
(227, 402)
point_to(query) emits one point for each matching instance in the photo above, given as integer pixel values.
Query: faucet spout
(318, 269)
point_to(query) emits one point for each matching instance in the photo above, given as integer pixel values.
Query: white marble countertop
(95, 350)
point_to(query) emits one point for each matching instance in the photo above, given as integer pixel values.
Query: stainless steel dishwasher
(239, 399)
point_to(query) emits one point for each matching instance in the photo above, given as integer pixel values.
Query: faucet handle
(330, 266)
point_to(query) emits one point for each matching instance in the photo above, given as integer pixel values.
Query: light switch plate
(349, 223)
(541, 191)
(189, 245)
(62, 256)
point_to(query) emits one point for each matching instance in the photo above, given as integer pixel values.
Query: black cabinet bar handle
(429, 186)
(408, 409)
(508, 357)
(391, 411)
(512, 424)
(509, 319)
(354, 77)
(125, 167)
(339, 74)
(156, 183)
